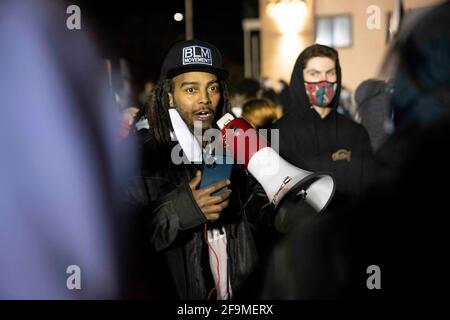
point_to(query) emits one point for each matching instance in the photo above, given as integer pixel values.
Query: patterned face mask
(320, 93)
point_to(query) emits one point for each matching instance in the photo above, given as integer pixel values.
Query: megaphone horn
(285, 185)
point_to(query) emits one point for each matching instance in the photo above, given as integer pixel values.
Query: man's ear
(171, 103)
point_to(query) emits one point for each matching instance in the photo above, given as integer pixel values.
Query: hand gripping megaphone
(297, 194)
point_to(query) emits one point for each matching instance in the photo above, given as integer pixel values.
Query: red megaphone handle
(239, 137)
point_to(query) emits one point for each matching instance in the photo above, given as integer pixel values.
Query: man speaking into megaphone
(201, 239)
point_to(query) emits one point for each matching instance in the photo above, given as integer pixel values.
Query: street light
(288, 14)
(178, 17)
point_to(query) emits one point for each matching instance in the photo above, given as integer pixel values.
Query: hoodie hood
(299, 101)
(300, 105)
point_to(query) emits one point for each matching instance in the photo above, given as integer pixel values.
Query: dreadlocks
(158, 110)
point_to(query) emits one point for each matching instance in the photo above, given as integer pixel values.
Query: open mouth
(203, 115)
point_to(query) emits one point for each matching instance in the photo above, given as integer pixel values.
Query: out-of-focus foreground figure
(60, 167)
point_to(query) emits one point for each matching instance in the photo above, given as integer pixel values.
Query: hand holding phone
(215, 172)
(210, 204)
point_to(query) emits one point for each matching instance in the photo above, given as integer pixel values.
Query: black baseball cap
(193, 55)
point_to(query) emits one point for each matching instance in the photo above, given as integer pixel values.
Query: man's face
(195, 95)
(320, 69)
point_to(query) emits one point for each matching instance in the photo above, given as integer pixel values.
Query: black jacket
(334, 144)
(176, 255)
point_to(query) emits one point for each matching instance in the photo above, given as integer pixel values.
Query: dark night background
(142, 31)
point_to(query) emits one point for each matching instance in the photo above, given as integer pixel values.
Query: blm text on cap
(197, 55)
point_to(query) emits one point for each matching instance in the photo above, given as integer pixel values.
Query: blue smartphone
(215, 172)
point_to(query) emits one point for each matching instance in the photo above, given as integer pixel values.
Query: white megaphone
(296, 193)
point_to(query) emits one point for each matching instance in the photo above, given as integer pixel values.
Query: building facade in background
(358, 29)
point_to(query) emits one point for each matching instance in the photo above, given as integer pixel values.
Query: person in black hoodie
(313, 136)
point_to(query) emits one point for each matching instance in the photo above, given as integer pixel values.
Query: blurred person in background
(145, 94)
(128, 119)
(260, 112)
(283, 95)
(245, 89)
(125, 97)
(345, 106)
(373, 98)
